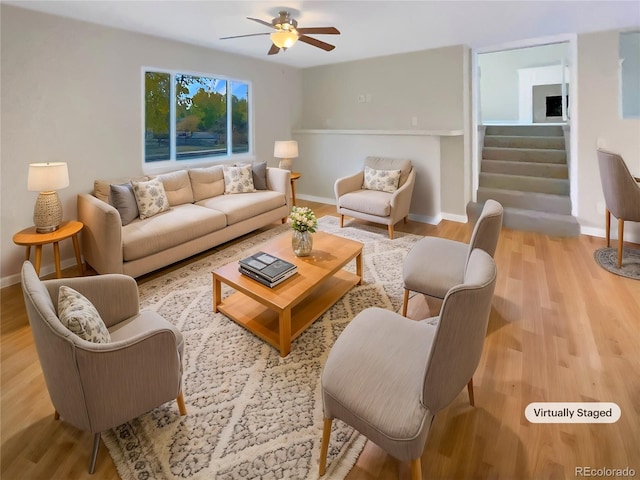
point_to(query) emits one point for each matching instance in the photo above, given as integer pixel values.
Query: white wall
(72, 91)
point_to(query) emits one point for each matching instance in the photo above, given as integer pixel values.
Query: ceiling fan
(287, 33)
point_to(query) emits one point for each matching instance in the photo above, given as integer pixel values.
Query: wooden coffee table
(278, 315)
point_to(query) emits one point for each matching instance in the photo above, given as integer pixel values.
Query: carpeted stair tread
(538, 155)
(524, 141)
(533, 169)
(525, 183)
(540, 202)
(529, 130)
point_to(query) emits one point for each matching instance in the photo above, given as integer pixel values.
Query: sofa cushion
(259, 174)
(123, 199)
(78, 314)
(179, 225)
(238, 179)
(150, 197)
(372, 202)
(382, 163)
(206, 182)
(177, 186)
(382, 180)
(102, 188)
(242, 206)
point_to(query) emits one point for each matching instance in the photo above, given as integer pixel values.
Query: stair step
(525, 183)
(526, 130)
(533, 169)
(533, 221)
(541, 202)
(520, 141)
(537, 155)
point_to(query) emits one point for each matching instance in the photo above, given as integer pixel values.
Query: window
(189, 117)
(629, 75)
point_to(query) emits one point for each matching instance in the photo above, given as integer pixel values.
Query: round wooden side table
(294, 176)
(29, 237)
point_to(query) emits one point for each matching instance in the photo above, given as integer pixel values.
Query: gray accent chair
(621, 194)
(98, 386)
(388, 376)
(434, 265)
(372, 205)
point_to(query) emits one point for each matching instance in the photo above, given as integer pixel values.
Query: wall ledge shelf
(424, 133)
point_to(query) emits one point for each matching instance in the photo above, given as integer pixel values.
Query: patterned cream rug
(251, 413)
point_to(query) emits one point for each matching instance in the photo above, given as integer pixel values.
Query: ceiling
(368, 28)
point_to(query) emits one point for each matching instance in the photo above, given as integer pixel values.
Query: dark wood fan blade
(268, 24)
(249, 35)
(319, 30)
(316, 43)
(273, 50)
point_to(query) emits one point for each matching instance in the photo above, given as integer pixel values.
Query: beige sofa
(201, 216)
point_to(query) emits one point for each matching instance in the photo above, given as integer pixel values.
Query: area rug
(251, 413)
(607, 258)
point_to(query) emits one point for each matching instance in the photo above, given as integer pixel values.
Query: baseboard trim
(455, 218)
(599, 232)
(44, 271)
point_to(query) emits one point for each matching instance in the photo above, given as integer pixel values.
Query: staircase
(524, 167)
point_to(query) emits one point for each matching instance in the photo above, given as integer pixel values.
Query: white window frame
(173, 163)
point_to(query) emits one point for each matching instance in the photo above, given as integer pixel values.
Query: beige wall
(72, 91)
(599, 120)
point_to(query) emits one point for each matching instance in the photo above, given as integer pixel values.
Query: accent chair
(380, 193)
(621, 194)
(98, 386)
(388, 376)
(434, 264)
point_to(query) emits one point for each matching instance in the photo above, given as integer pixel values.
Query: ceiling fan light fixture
(284, 38)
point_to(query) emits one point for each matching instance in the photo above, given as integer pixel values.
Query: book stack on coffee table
(266, 269)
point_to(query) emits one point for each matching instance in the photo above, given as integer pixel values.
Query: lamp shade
(45, 177)
(285, 149)
(284, 38)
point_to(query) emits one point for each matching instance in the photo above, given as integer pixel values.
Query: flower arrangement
(303, 219)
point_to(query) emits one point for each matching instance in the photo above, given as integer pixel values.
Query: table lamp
(285, 150)
(46, 178)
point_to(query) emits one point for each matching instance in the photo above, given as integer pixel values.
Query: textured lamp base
(47, 214)
(285, 163)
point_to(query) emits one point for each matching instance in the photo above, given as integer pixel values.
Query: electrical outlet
(368, 98)
(361, 98)
(601, 143)
(414, 121)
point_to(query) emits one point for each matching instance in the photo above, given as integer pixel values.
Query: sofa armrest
(101, 237)
(279, 180)
(114, 296)
(348, 184)
(401, 198)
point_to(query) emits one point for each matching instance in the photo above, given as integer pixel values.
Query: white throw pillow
(150, 197)
(79, 315)
(238, 179)
(382, 180)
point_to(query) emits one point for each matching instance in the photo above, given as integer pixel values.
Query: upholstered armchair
(388, 376)
(98, 386)
(434, 265)
(380, 193)
(621, 194)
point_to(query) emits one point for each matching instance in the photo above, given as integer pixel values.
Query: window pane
(201, 117)
(157, 107)
(240, 117)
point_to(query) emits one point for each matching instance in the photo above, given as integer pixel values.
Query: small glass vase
(302, 243)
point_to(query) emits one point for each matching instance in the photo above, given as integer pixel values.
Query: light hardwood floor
(561, 329)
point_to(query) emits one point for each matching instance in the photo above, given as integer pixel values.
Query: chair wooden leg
(620, 241)
(390, 232)
(181, 406)
(405, 302)
(470, 390)
(607, 222)
(56, 415)
(94, 453)
(326, 433)
(416, 469)
(341, 221)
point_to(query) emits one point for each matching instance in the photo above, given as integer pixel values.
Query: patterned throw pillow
(238, 179)
(79, 315)
(382, 180)
(150, 197)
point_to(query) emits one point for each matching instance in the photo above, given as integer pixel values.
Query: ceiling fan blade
(316, 43)
(274, 49)
(249, 35)
(268, 24)
(319, 30)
